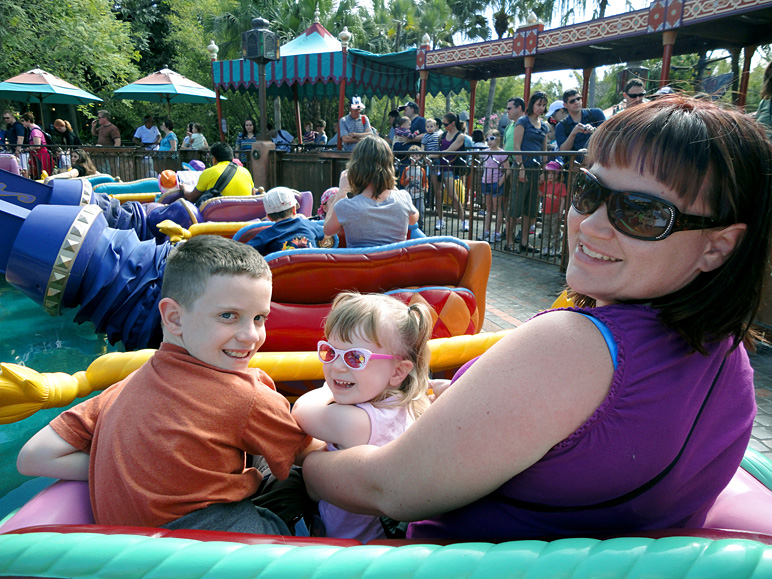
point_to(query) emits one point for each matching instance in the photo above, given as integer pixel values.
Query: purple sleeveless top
(656, 392)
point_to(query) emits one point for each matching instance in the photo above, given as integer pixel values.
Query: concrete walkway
(518, 288)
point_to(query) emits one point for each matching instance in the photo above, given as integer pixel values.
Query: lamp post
(261, 46)
(213, 49)
(344, 37)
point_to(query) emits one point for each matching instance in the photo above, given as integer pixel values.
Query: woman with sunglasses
(632, 411)
(530, 134)
(376, 372)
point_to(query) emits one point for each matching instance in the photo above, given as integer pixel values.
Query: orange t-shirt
(172, 438)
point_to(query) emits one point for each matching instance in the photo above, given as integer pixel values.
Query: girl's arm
(504, 172)
(502, 416)
(48, 454)
(341, 424)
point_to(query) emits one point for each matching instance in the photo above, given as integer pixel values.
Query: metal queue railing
(125, 163)
(457, 198)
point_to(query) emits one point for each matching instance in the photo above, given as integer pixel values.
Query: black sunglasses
(572, 101)
(636, 215)
(639, 95)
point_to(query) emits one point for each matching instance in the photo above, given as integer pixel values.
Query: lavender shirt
(656, 391)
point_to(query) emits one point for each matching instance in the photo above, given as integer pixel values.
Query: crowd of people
(519, 197)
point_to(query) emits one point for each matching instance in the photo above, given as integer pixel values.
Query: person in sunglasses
(573, 132)
(376, 371)
(634, 93)
(630, 411)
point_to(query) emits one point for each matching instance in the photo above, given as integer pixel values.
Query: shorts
(526, 196)
(492, 189)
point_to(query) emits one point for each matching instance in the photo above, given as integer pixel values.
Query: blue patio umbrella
(41, 86)
(166, 86)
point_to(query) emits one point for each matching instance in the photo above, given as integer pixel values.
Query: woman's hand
(521, 175)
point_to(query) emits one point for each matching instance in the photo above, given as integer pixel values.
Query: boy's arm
(341, 424)
(48, 454)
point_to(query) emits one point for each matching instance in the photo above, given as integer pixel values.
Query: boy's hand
(437, 387)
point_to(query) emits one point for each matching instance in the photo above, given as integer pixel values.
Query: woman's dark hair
(169, 124)
(478, 136)
(84, 159)
(254, 126)
(28, 116)
(535, 98)
(766, 87)
(720, 155)
(453, 119)
(371, 163)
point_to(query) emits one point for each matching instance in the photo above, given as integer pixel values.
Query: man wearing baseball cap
(354, 126)
(289, 230)
(417, 123)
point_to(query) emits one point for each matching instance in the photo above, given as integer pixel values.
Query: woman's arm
(341, 424)
(173, 145)
(503, 415)
(517, 141)
(331, 224)
(48, 454)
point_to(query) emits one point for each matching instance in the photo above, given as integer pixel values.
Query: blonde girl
(376, 370)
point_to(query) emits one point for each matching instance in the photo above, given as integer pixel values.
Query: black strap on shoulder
(544, 508)
(219, 186)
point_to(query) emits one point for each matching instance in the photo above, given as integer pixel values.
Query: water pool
(30, 337)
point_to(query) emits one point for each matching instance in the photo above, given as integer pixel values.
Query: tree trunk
(277, 113)
(489, 107)
(735, 74)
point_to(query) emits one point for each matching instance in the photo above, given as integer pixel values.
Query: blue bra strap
(606, 333)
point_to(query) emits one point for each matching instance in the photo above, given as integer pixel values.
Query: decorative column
(529, 62)
(213, 49)
(344, 37)
(749, 50)
(668, 40)
(586, 74)
(422, 72)
(526, 44)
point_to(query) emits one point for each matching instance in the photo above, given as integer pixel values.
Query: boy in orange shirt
(167, 446)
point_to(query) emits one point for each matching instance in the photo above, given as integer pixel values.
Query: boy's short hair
(403, 120)
(414, 148)
(192, 263)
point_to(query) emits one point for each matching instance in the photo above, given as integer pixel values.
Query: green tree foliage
(150, 25)
(80, 41)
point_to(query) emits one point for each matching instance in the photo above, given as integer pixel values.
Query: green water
(30, 337)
